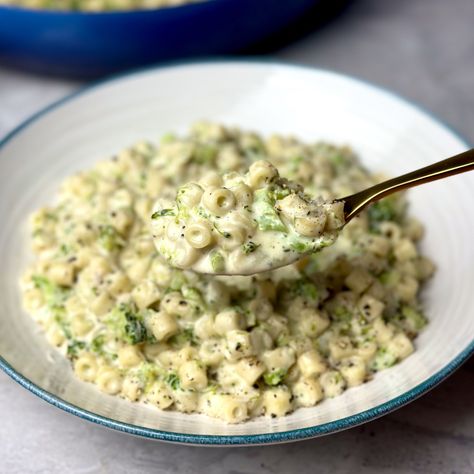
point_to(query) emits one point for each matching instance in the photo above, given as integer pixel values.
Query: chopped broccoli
(266, 215)
(185, 336)
(127, 323)
(301, 247)
(341, 314)
(147, 373)
(275, 377)
(249, 247)
(172, 379)
(54, 295)
(337, 160)
(295, 163)
(381, 211)
(162, 212)
(167, 138)
(205, 154)
(177, 280)
(193, 295)
(109, 238)
(416, 319)
(65, 250)
(97, 344)
(74, 347)
(305, 288)
(382, 360)
(217, 261)
(410, 320)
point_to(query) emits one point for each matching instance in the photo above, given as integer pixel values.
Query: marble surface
(421, 49)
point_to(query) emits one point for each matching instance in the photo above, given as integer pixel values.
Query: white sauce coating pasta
(229, 347)
(244, 224)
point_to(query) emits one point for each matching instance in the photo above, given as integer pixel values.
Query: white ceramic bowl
(388, 133)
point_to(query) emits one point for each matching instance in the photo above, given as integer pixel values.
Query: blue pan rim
(237, 440)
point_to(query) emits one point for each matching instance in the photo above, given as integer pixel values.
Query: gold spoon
(356, 203)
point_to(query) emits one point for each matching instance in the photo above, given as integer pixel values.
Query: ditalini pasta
(243, 224)
(231, 347)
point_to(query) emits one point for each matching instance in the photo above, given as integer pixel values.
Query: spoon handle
(456, 164)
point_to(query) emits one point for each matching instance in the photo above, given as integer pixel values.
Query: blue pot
(92, 44)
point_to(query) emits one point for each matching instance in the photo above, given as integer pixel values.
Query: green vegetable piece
(383, 360)
(418, 319)
(341, 314)
(97, 344)
(194, 296)
(249, 247)
(217, 261)
(54, 295)
(205, 154)
(301, 247)
(275, 377)
(338, 161)
(305, 288)
(410, 320)
(162, 212)
(167, 138)
(127, 323)
(172, 379)
(110, 239)
(147, 373)
(266, 215)
(381, 211)
(74, 347)
(177, 280)
(186, 336)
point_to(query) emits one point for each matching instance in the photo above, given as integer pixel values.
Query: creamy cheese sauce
(231, 347)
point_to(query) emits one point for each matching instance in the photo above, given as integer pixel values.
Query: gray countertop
(422, 49)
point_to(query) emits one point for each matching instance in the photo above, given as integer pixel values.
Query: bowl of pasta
(90, 38)
(95, 321)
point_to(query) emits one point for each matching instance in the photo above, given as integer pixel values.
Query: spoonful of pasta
(249, 223)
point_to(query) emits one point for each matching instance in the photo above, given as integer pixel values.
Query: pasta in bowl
(233, 348)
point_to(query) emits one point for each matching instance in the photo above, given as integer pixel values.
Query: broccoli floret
(383, 360)
(97, 344)
(54, 295)
(301, 247)
(186, 336)
(341, 314)
(172, 379)
(97, 347)
(109, 238)
(275, 377)
(410, 320)
(267, 216)
(127, 323)
(305, 288)
(74, 347)
(163, 212)
(205, 154)
(177, 280)
(167, 138)
(217, 261)
(387, 209)
(147, 373)
(193, 296)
